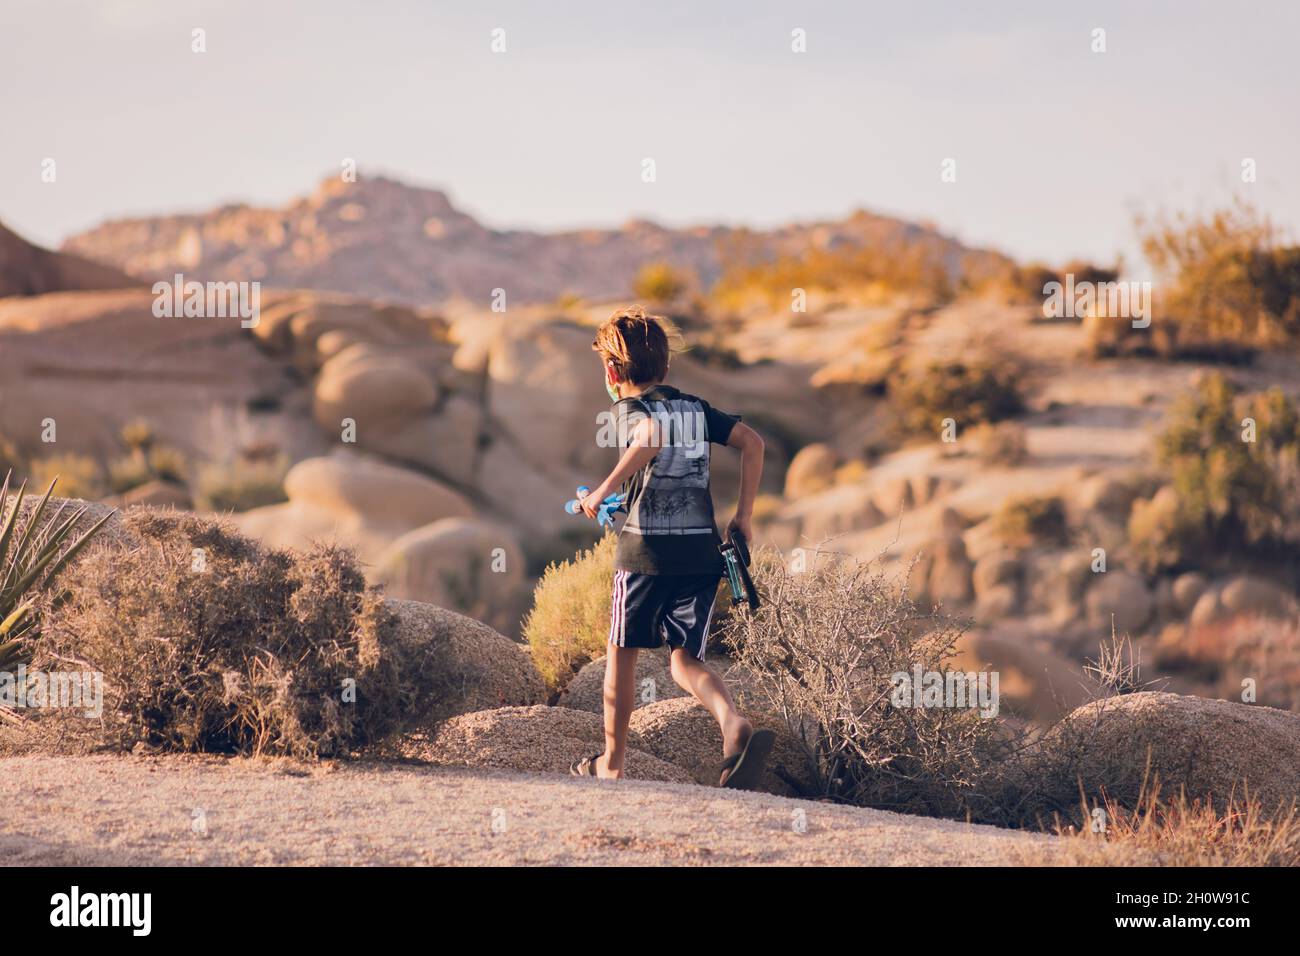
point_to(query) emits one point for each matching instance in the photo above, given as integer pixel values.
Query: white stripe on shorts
(617, 609)
(622, 614)
(704, 638)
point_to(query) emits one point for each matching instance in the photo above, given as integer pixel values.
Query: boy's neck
(628, 390)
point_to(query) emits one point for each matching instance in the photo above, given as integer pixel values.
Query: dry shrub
(569, 623)
(767, 507)
(659, 282)
(1110, 336)
(79, 476)
(1024, 284)
(967, 391)
(1226, 496)
(136, 468)
(242, 484)
(146, 460)
(138, 435)
(823, 650)
(1000, 445)
(209, 642)
(851, 472)
(1176, 831)
(1023, 522)
(168, 464)
(1230, 276)
(867, 271)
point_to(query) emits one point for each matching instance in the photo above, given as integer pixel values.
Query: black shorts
(650, 609)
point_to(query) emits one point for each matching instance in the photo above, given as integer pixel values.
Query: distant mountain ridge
(382, 239)
(28, 269)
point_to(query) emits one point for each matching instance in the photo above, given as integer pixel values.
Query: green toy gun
(735, 553)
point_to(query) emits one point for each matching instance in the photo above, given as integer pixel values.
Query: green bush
(1226, 495)
(569, 623)
(969, 392)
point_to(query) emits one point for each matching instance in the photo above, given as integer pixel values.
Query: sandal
(742, 771)
(586, 767)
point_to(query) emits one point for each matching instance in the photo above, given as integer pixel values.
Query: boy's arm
(750, 445)
(643, 447)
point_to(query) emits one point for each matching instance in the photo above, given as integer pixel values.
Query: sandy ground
(141, 810)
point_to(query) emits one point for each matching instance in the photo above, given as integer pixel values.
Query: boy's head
(633, 347)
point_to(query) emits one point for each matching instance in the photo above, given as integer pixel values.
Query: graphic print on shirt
(675, 496)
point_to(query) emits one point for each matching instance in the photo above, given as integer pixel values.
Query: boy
(668, 565)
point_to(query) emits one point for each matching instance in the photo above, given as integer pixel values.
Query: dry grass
(1174, 831)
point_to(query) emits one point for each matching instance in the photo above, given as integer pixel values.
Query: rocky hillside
(449, 457)
(450, 460)
(27, 269)
(382, 239)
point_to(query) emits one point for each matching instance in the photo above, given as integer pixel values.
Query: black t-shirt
(670, 526)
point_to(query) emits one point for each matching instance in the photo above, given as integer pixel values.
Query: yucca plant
(30, 558)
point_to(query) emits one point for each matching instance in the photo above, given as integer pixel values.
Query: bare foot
(603, 771)
(735, 734)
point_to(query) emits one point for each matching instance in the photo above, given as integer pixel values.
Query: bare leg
(620, 692)
(703, 683)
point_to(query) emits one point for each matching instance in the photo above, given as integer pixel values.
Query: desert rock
(538, 739)
(463, 665)
(681, 732)
(1210, 748)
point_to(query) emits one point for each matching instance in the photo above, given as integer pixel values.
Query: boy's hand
(741, 523)
(591, 503)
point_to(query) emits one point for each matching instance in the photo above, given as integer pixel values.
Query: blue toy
(604, 514)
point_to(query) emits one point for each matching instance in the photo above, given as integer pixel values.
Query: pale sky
(1055, 146)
